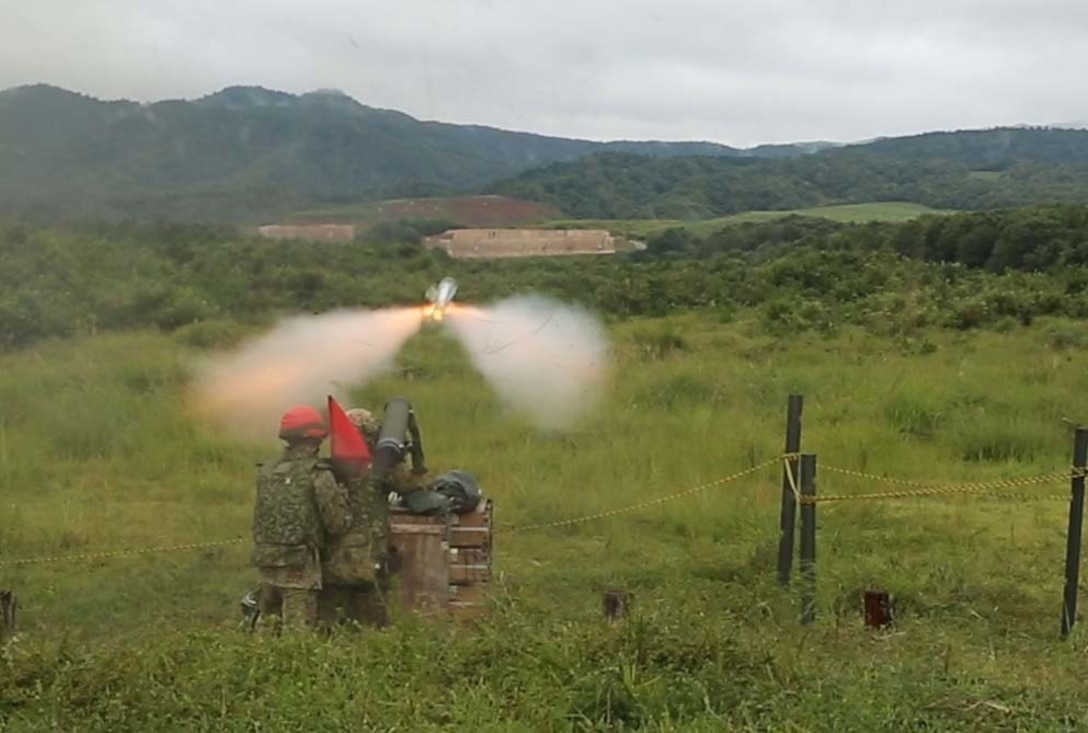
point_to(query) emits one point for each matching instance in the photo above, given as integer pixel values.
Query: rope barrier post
(8, 604)
(1073, 535)
(787, 519)
(808, 538)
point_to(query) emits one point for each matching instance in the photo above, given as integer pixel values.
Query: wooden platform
(443, 563)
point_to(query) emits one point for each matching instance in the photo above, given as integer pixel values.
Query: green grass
(368, 214)
(98, 453)
(892, 211)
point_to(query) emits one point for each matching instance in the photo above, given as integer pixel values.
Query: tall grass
(98, 453)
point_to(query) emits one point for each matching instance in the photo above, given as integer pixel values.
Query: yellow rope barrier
(922, 489)
(122, 553)
(792, 479)
(642, 505)
(919, 490)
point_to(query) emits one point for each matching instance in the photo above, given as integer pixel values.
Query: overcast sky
(740, 73)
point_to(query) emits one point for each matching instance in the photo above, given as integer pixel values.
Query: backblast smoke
(301, 360)
(547, 360)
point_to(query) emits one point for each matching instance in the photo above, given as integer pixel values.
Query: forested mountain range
(248, 154)
(249, 150)
(975, 169)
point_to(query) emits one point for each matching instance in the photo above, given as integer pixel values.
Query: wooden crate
(470, 561)
(421, 556)
(444, 563)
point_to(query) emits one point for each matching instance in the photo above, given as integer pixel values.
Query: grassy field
(885, 211)
(98, 453)
(497, 211)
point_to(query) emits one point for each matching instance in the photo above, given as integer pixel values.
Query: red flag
(346, 444)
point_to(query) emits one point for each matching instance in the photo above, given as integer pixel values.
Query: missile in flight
(439, 297)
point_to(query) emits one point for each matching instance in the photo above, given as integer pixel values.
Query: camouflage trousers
(364, 604)
(287, 608)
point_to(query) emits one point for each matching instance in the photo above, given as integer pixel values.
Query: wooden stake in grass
(878, 609)
(1073, 535)
(808, 538)
(616, 604)
(8, 605)
(787, 520)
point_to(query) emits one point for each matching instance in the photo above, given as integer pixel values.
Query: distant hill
(244, 151)
(991, 150)
(978, 169)
(249, 154)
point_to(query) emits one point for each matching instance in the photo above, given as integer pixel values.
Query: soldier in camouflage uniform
(356, 566)
(299, 507)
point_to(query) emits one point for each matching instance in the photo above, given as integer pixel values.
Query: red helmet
(302, 422)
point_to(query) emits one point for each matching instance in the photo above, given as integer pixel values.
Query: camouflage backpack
(285, 512)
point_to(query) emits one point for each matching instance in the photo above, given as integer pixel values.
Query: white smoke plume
(546, 359)
(300, 361)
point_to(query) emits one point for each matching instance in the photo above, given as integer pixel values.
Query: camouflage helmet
(364, 420)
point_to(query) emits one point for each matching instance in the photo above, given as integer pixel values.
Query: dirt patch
(469, 211)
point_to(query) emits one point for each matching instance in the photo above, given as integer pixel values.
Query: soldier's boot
(370, 607)
(299, 609)
(332, 603)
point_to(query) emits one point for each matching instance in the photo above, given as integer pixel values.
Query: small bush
(217, 334)
(993, 441)
(680, 390)
(1061, 336)
(658, 342)
(915, 415)
(788, 317)
(967, 314)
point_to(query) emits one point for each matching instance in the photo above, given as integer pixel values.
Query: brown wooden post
(8, 606)
(787, 519)
(878, 609)
(616, 604)
(1073, 535)
(808, 538)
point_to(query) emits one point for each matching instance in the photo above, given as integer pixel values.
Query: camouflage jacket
(361, 554)
(299, 508)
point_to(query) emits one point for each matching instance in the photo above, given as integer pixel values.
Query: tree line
(959, 271)
(1041, 238)
(617, 186)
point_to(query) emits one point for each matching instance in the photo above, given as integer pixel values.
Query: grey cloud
(739, 73)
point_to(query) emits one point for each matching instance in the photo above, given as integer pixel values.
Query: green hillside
(246, 151)
(248, 154)
(890, 211)
(617, 186)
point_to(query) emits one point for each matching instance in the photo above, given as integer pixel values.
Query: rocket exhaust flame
(545, 359)
(440, 297)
